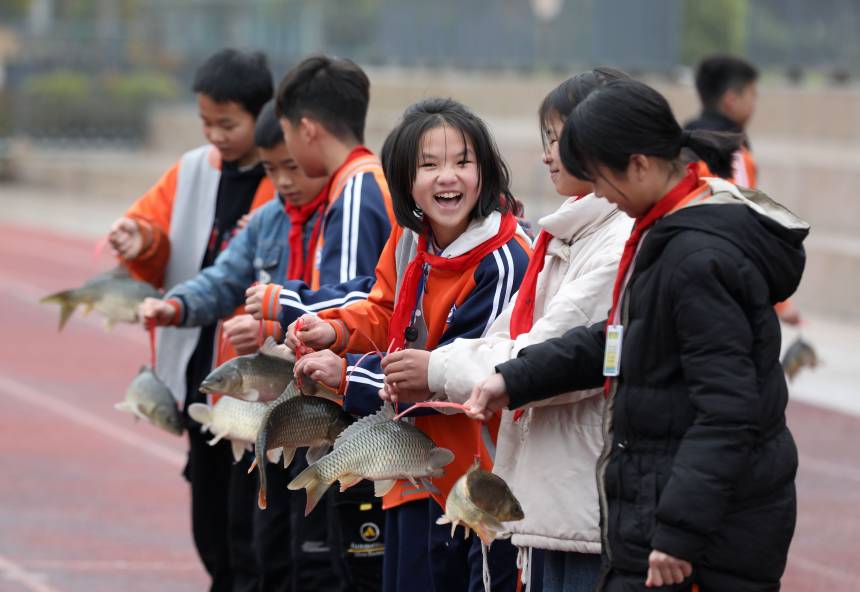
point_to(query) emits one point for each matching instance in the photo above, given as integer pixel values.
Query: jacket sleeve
(571, 362)
(457, 368)
(152, 212)
(715, 343)
(296, 298)
(355, 231)
(215, 292)
(364, 378)
(368, 320)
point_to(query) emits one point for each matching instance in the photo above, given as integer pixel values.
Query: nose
(547, 157)
(447, 175)
(215, 135)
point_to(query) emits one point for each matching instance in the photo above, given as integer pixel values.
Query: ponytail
(627, 117)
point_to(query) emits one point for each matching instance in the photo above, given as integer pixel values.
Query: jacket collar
(477, 232)
(575, 220)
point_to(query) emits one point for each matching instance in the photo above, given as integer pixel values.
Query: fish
(378, 448)
(113, 294)
(296, 421)
(231, 419)
(261, 376)
(800, 354)
(481, 501)
(147, 397)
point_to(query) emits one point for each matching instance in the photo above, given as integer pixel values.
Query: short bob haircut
(403, 147)
(238, 76)
(627, 117)
(267, 131)
(566, 96)
(333, 91)
(718, 74)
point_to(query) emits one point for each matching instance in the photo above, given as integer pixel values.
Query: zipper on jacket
(606, 452)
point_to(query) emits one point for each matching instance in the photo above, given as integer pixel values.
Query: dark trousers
(356, 528)
(422, 556)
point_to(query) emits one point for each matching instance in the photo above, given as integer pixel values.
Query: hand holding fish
(243, 333)
(125, 238)
(311, 331)
(254, 301)
(159, 311)
(323, 366)
(407, 368)
(665, 570)
(489, 397)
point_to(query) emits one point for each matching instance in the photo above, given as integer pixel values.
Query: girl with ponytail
(696, 477)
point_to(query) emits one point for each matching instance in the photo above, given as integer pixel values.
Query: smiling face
(565, 183)
(447, 182)
(229, 128)
(291, 183)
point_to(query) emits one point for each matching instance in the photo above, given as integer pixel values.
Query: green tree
(712, 26)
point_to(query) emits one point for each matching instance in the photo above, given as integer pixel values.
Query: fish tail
(309, 479)
(67, 303)
(260, 461)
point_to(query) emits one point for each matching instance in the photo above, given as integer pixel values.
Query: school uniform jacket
(698, 461)
(176, 217)
(453, 304)
(357, 223)
(574, 288)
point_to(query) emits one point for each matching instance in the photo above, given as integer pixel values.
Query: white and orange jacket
(176, 217)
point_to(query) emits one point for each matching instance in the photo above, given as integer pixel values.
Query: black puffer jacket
(698, 461)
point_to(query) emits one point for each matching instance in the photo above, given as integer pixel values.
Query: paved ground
(91, 500)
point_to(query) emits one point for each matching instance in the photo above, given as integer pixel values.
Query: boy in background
(168, 235)
(322, 105)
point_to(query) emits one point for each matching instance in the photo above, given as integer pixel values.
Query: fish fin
(238, 448)
(467, 531)
(413, 481)
(217, 438)
(271, 349)
(137, 411)
(347, 481)
(290, 392)
(487, 535)
(380, 488)
(289, 453)
(454, 528)
(440, 457)
(122, 406)
(252, 395)
(359, 425)
(274, 455)
(67, 305)
(309, 480)
(88, 308)
(316, 452)
(253, 466)
(443, 519)
(201, 413)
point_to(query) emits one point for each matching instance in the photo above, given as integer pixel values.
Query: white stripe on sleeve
(344, 231)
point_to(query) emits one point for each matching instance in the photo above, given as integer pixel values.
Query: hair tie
(685, 137)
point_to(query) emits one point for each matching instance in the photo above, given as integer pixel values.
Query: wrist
(270, 305)
(341, 336)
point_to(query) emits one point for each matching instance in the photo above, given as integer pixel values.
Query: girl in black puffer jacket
(696, 479)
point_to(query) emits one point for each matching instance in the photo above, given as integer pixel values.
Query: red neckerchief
(522, 317)
(408, 294)
(664, 206)
(298, 268)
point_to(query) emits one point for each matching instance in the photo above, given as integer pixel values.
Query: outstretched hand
(487, 398)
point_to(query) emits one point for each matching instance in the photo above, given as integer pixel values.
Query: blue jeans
(570, 572)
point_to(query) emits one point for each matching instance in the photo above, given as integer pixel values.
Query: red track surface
(89, 500)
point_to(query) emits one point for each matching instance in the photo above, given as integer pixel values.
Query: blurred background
(95, 104)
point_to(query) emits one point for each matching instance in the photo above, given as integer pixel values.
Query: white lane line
(15, 573)
(113, 565)
(28, 394)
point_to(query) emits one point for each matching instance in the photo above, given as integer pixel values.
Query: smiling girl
(449, 268)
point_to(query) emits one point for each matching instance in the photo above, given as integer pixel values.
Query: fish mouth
(208, 387)
(448, 200)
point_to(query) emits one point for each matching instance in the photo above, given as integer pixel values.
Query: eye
(427, 165)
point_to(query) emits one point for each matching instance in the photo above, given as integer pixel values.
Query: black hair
(628, 117)
(562, 99)
(404, 144)
(333, 91)
(267, 131)
(233, 75)
(717, 74)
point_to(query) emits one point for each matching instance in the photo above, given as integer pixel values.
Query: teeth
(447, 195)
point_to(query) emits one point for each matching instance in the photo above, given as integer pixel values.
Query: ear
(309, 129)
(638, 167)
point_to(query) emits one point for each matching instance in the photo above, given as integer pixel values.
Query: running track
(91, 501)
